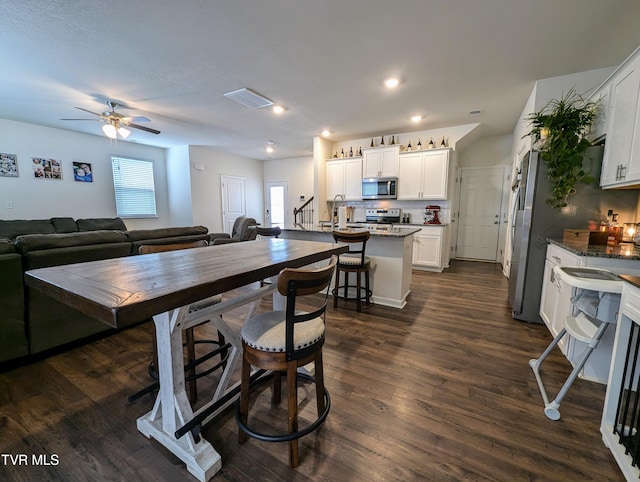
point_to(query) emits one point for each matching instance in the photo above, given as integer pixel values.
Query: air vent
(249, 98)
(476, 113)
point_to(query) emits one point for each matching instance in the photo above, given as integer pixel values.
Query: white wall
(487, 151)
(297, 172)
(43, 198)
(179, 186)
(206, 197)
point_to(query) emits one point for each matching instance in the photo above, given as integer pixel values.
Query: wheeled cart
(595, 306)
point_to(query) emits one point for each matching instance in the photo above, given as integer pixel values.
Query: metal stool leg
(552, 409)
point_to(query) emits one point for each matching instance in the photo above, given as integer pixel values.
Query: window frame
(128, 203)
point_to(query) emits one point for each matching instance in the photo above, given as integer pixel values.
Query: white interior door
(480, 207)
(276, 211)
(233, 200)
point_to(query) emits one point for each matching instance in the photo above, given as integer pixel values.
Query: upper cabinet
(424, 175)
(344, 176)
(380, 161)
(621, 163)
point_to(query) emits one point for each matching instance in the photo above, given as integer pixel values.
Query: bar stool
(269, 232)
(190, 342)
(283, 341)
(354, 261)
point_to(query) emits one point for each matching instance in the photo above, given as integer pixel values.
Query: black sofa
(33, 324)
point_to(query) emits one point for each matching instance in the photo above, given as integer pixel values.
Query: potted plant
(559, 129)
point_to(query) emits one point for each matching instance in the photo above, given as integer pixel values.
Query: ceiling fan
(116, 123)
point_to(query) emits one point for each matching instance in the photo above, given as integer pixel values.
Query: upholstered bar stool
(282, 341)
(354, 261)
(190, 341)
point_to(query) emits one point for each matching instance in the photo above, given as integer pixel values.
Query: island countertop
(394, 231)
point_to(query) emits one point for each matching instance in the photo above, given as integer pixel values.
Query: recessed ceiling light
(391, 83)
(278, 109)
(326, 133)
(416, 118)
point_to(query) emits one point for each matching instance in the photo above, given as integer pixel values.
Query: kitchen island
(390, 251)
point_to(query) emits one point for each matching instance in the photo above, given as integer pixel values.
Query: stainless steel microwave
(380, 188)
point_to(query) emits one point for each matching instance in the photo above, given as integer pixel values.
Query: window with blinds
(134, 187)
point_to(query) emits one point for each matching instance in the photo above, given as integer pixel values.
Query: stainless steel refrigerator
(534, 221)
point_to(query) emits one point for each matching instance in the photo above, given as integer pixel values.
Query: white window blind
(134, 187)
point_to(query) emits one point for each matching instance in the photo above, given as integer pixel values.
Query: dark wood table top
(123, 291)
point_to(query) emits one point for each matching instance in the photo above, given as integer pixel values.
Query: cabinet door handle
(623, 171)
(618, 172)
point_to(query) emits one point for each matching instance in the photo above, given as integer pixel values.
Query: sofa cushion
(38, 242)
(7, 246)
(13, 228)
(64, 225)
(143, 234)
(95, 224)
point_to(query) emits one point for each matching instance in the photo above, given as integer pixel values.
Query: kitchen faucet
(333, 210)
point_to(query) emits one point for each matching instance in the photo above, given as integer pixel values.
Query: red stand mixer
(431, 215)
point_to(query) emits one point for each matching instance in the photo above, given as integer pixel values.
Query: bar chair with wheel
(190, 342)
(354, 261)
(283, 341)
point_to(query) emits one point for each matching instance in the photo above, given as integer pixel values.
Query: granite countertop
(621, 251)
(394, 232)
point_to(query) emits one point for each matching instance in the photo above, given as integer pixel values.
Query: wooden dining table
(125, 291)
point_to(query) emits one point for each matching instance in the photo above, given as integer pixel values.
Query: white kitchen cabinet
(424, 175)
(429, 248)
(380, 161)
(555, 300)
(344, 176)
(598, 128)
(555, 306)
(621, 163)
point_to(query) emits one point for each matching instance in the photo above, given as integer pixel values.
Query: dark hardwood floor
(440, 390)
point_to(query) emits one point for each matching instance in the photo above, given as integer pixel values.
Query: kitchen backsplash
(414, 208)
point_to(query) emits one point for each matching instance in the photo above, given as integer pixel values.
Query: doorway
(480, 219)
(233, 200)
(276, 196)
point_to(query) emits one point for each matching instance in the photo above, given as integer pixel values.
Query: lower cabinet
(555, 306)
(429, 248)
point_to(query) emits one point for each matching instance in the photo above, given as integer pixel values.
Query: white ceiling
(324, 60)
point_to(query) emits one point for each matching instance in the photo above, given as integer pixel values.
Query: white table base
(172, 408)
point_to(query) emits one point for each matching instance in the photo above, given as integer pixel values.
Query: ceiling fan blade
(142, 128)
(90, 112)
(140, 118)
(83, 119)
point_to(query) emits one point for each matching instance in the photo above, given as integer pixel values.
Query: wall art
(82, 172)
(8, 165)
(46, 168)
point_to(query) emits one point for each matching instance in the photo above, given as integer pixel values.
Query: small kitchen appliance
(431, 214)
(380, 188)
